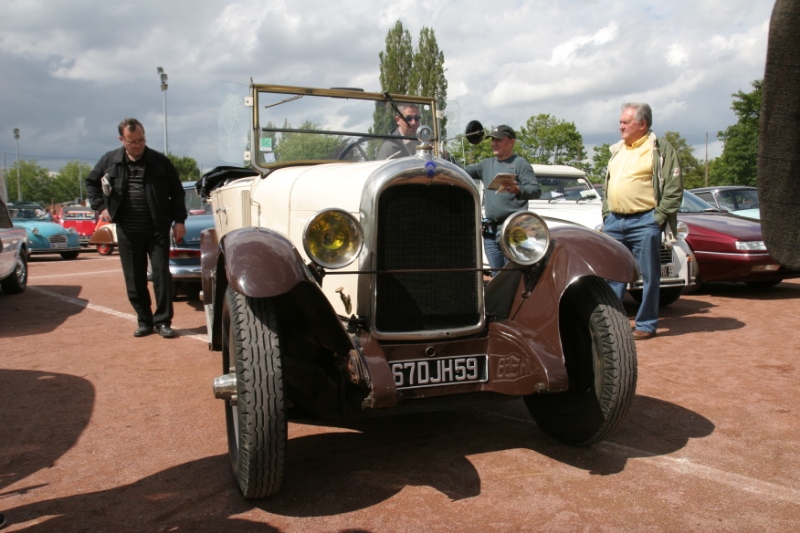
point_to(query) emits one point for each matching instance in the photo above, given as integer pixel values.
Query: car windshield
(566, 188)
(29, 213)
(691, 203)
(307, 125)
(738, 199)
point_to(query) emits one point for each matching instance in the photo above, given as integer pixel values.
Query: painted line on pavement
(78, 274)
(106, 310)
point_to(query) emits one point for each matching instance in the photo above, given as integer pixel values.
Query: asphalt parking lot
(104, 432)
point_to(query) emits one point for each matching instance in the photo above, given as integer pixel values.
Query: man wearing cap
(512, 197)
(407, 124)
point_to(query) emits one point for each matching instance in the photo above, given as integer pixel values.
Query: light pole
(163, 76)
(19, 187)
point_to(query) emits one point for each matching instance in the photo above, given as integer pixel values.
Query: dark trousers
(134, 249)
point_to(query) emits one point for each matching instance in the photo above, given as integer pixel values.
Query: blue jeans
(641, 234)
(494, 254)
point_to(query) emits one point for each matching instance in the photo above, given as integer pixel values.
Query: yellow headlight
(333, 238)
(524, 238)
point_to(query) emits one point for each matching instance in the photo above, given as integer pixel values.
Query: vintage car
(567, 194)
(737, 199)
(44, 235)
(336, 285)
(82, 219)
(728, 247)
(13, 253)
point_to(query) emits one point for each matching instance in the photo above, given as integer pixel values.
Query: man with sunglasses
(140, 190)
(407, 124)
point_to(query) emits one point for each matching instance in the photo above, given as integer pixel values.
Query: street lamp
(19, 187)
(163, 76)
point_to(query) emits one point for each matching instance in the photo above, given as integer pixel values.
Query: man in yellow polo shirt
(644, 189)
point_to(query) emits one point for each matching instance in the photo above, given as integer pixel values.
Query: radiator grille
(426, 227)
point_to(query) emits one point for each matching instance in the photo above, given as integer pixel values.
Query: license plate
(441, 371)
(668, 271)
(58, 245)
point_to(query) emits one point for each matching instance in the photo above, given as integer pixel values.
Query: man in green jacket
(644, 189)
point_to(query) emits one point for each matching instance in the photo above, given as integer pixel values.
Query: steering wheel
(356, 150)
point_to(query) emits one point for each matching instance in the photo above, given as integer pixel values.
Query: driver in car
(407, 123)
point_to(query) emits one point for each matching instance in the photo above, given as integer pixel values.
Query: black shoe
(165, 331)
(143, 331)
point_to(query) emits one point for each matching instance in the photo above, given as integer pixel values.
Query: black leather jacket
(165, 194)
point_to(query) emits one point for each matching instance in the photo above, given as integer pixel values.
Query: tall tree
(737, 163)
(427, 74)
(35, 182)
(596, 171)
(547, 140)
(68, 184)
(692, 169)
(186, 166)
(396, 63)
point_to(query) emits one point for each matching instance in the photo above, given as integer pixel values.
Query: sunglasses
(409, 118)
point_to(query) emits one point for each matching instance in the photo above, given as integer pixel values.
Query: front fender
(261, 263)
(591, 252)
(103, 235)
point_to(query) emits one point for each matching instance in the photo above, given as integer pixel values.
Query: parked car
(737, 199)
(184, 257)
(44, 235)
(336, 285)
(104, 237)
(82, 219)
(568, 194)
(727, 247)
(13, 253)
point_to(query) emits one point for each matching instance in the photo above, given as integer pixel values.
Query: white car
(567, 194)
(337, 285)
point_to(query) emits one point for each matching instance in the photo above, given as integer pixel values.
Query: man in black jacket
(139, 189)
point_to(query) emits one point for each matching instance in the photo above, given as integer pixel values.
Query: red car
(728, 247)
(83, 219)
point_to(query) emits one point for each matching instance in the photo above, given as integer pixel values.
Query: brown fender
(102, 235)
(261, 263)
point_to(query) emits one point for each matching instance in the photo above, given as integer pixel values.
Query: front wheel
(69, 255)
(601, 364)
(18, 280)
(256, 418)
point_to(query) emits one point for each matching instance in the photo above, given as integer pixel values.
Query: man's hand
(178, 231)
(104, 216)
(512, 187)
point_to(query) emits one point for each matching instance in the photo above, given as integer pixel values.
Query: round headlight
(683, 230)
(524, 238)
(333, 238)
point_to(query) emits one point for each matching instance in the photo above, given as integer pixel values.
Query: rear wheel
(601, 363)
(16, 282)
(256, 418)
(104, 249)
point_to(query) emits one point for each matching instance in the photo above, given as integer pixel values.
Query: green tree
(737, 163)
(69, 184)
(596, 170)
(186, 166)
(427, 74)
(469, 153)
(693, 170)
(34, 180)
(307, 146)
(544, 139)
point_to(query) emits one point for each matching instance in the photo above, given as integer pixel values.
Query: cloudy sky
(71, 70)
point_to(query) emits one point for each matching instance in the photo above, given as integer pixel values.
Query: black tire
(601, 363)
(256, 422)
(70, 255)
(763, 284)
(18, 280)
(666, 296)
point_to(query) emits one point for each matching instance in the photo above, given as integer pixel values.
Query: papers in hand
(501, 181)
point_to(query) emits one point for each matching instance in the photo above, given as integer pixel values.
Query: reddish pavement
(100, 431)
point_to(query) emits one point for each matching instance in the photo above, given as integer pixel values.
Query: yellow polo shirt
(630, 184)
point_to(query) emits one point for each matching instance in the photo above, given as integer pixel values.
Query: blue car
(44, 235)
(184, 257)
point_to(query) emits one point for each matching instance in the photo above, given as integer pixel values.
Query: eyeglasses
(137, 142)
(409, 118)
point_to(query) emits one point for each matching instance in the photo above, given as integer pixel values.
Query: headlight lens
(35, 231)
(333, 238)
(748, 246)
(683, 230)
(524, 238)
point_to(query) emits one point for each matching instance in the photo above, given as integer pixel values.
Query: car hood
(739, 228)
